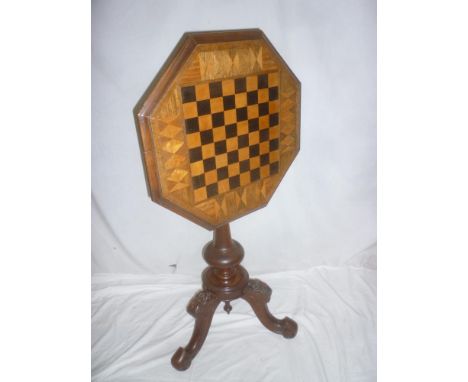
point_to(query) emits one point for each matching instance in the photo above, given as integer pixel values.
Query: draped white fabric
(314, 242)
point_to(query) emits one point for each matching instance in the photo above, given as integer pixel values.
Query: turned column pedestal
(225, 280)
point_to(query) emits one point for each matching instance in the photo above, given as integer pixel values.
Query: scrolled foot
(181, 360)
(202, 307)
(258, 294)
(289, 327)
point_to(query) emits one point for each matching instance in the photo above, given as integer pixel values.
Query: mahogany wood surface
(225, 280)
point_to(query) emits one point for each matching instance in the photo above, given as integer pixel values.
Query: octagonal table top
(219, 126)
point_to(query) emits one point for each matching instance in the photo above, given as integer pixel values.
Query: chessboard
(232, 132)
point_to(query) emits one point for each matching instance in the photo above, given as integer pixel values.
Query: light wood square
(204, 122)
(263, 95)
(244, 153)
(232, 144)
(202, 91)
(228, 87)
(193, 140)
(221, 160)
(252, 111)
(211, 177)
(241, 100)
(252, 83)
(190, 110)
(216, 105)
(242, 128)
(219, 134)
(196, 168)
(208, 150)
(230, 116)
(233, 169)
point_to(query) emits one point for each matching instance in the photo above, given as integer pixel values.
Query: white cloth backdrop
(314, 242)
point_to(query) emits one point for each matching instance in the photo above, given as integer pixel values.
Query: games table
(219, 126)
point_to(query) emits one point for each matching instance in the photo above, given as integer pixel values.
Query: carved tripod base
(223, 281)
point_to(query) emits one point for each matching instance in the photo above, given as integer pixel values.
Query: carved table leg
(202, 307)
(257, 294)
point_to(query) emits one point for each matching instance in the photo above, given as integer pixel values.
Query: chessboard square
(230, 117)
(252, 97)
(241, 99)
(254, 138)
(274, 144)
(252, 83)
(233, 169)
(190, 110)
(229, 102)
(253, 125)
(244, 178)
(216, 89)
(219, 134)
(217, 105)
(264, 122)
(206, 137)
(208, 150)
(244, 165)
(220, 147)
(241, 114)
(199, 194)
(274, 156)
(240, 85)
(188, 94)
(223, 186)
(255, 175)
(231, 130)
(217, 119)
(263, 108)
(244, 153)
(205, 122)
(274, 168)
(193, 140)
(242, 127)
(264, 147)
(263, 95)
(232, 144)
(254, 150)
(254, 162)
(212, 190)
(233, 157)
(234, 182)
(274, 106)
(228, 87)
(274, 119)
(243, 140)
(264, 171)
(222, 173)
(264, 159)
(264, 135)
(273, 79)
(202, 91)
(263, 81)
(211, 177)
(203, 107)
(197, 168)
(221, 160)
(273, 93)
(192, 125)
(209, 164)
(274, 132)
(198, 181)
(195, 154)
(252, 111)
